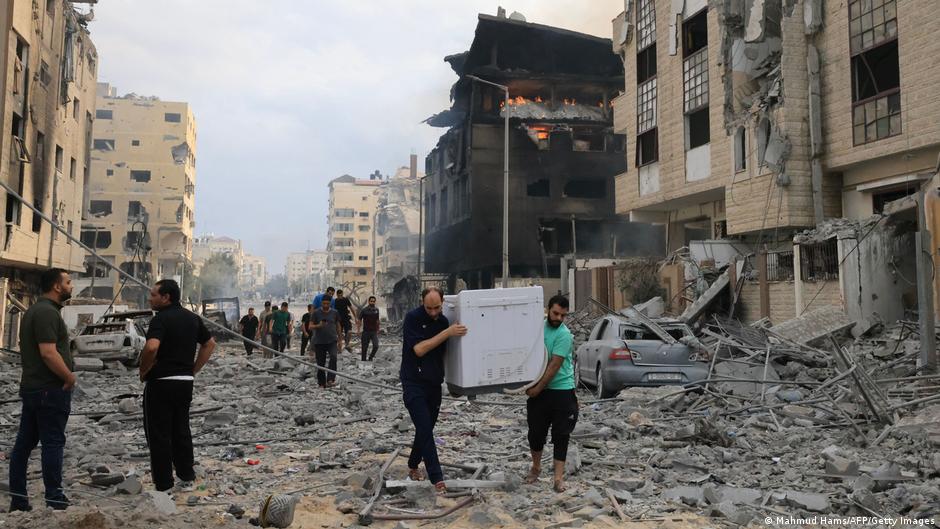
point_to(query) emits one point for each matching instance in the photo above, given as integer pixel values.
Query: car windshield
(106, 328)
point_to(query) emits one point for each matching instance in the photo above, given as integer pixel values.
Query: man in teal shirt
(552, 402)
(280, 328)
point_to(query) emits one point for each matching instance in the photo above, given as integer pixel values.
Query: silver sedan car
(623, 352)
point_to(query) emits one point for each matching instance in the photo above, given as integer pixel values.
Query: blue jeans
(45, 413)
(424, 403)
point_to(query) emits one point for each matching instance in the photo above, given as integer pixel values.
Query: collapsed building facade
(751, 121)
(141, 193)
(47, 104)
(397, 239)
(563, 155)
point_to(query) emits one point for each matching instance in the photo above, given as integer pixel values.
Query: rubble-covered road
(800, 441)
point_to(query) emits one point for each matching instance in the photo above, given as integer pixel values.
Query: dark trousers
(322, 350)
(556, 409)
(424, 403)
(278, 341)
(248, 347)
(367, 338)
(304, 340)
(166, 425)
(346, 324)
(43, 419)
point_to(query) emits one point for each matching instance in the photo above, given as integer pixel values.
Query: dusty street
(667, 459)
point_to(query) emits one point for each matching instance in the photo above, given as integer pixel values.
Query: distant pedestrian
(168, 365)
(369, 322)
(249, 329)
(280, 328)
(266, 323)
(344, 307)
(330, 291)
(262, 329)
(425, 332)
(304, 332)
(45, 392)
(552, 401)
(327, 339)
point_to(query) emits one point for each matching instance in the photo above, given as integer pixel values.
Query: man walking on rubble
(343, 307)
(304, 331)
(168, 365)
(327, 340)
(318, 300)
(280, 328)
(249, 329)
(45, 392)
(368, 321)
(266, 323)
(262, 329)
(552, 401)
(425, 332)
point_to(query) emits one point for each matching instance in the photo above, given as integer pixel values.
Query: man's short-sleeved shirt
(327, 333)
(417, 327)
(318, 301)
(263, 318)
(179, 332)
(281, 319)
(344, 307)
(370, 318)
(304, 320)
(42, 323)
(249, 325)
(559, 342)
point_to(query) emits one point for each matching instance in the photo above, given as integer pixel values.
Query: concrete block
(693, 496)
(162, 502)
(841, 466)
(130, 486)
(87, 364)
(808, 501)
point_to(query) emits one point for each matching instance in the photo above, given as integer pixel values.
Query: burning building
(563, 156)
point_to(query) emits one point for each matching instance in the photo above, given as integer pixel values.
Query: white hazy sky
(289, 94)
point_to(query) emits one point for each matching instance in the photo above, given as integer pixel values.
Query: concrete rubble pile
(840, 427)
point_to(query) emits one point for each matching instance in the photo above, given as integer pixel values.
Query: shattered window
(585, 188)
(876, 85)
(172, 117)
(698, 128)
(740, 149)
(134, 209)
(103, 145)
(140, 176)
(96, 238)
(695, 33)
(647, 148)
(646, 106)
(695, 80)
(872, 22)
(539, 188)
(645, 23)
(99, 208)
(646, 64)
(104, 114)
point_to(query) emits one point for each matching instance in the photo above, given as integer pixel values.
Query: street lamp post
(505, 89)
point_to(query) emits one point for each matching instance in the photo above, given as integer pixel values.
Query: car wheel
(602, 392)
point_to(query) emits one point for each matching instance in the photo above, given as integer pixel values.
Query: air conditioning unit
(504, 347)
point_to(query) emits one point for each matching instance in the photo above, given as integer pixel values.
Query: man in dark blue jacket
(424, 341)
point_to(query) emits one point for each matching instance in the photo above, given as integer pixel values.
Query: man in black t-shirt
(305, 334)
(168, 364)
(343, 307)
(249, 328)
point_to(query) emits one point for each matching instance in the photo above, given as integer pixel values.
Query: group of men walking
(179, 345)
(326, 329)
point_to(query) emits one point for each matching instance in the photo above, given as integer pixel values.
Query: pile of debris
(837, 426)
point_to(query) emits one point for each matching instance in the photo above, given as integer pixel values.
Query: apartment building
(310, 267)
(141, 191)
(254, 273)
(763, 115)
(208, 245)
(47, 107)
(352, 209)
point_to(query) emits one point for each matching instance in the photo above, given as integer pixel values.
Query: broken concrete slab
(81, 363)
(808, 501)
(162, 502)
(693, 496)
(814, 325)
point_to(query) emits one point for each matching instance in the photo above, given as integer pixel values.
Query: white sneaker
(184, 486)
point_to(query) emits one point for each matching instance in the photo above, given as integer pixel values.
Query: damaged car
(116, 340)
(624, 351)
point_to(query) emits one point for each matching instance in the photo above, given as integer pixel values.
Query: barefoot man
(552, 402)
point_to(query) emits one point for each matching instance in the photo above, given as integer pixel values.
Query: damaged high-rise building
(750, 121)
(49, 70)
(749, 117)
(563, 156)
(141, 193)
(397, 239)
